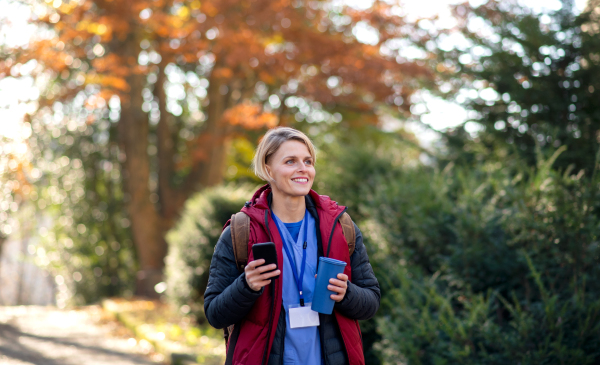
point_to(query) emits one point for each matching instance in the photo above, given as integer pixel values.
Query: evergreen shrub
(493, 264)
(496, 264)
(192, 242)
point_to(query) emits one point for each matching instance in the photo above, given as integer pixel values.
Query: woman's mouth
(300, 180)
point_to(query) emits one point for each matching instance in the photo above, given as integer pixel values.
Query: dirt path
(33, 335)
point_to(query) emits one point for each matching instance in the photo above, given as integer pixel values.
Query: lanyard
(290, 256)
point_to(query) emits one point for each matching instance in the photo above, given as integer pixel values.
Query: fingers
(256, 286)
(338, 286)
(341, 281)
(337, 289)
(270, 274)
(261, 274)
(258, 265)
(337, 297)
(253, 264)
(341, 292)
(266, 268)
(336, 282)
(257, 275)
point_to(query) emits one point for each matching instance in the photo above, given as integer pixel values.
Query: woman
(301, 223)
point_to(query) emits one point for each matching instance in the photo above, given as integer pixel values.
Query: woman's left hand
(339, 285)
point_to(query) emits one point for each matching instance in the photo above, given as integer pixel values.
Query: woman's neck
(289, 209)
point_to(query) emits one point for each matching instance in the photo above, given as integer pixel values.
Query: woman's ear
(268, 169)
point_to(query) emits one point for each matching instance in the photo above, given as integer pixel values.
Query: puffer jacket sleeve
(228, 298)
(363, 294)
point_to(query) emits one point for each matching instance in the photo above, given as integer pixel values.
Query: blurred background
(463, 136)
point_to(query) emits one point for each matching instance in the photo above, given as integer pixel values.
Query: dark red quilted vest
(250, 345)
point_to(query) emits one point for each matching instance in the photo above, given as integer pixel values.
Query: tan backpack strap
(240, 234)
(349, 233)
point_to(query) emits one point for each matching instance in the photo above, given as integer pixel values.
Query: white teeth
(300, 180)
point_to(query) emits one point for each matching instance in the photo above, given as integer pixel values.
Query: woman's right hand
(256, 276)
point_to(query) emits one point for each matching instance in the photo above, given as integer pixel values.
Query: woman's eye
(289, 162)
(308, 162)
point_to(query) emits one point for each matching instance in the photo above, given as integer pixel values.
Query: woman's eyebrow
(296, 157)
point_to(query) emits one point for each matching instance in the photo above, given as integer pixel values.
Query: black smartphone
(267, 252)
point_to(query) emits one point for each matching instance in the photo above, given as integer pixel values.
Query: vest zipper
(272, 290)
(267, 224)
(333, 229)
(264, 361)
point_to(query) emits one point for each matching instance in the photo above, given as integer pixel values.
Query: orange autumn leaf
(223, 72)
(250, 116)
(266, 77)
(216, 67)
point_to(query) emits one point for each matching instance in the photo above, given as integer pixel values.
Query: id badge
(302, 316)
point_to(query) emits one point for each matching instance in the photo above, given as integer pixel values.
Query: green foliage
(531, 80)
(192, 242)
(85, 230)
(10, 172)
(351, 165)
(352, 161)
(239, 161)
(424, 324)
(491, 264)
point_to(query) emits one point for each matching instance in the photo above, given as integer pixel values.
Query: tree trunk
(210, 169)
(133, 131)
(216, 142)
(171, 200)
(148, 225)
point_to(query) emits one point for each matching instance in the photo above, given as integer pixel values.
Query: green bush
(424, 324)
(495, 264)
(192, 242)
(492, 264)
(528, 235)
(83, 225)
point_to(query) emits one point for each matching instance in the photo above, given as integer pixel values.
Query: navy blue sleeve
(228, 298)
(363, 294)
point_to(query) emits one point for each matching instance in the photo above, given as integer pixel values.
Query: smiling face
(291, 168)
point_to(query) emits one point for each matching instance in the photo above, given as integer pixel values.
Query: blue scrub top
(294, 229)
(302, 345)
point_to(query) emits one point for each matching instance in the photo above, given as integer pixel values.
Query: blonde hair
(271, 142)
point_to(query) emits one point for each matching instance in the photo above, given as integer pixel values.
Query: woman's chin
(293, 189)
(300, 190)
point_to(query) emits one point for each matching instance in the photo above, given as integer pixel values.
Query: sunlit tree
(530, 79)
(14, 184)
(157, 89)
